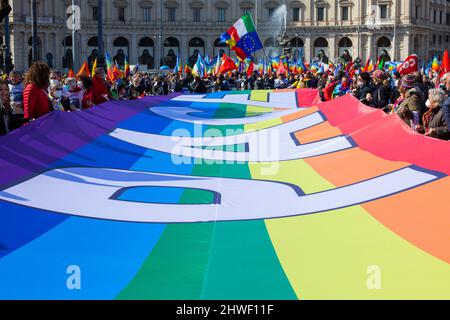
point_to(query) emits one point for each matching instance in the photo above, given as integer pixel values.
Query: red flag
(250, 69)
(281, 69)
(71, 74)
(239, 53)
(349, 67)
(410, 65)
(227, 64)
(445, 62)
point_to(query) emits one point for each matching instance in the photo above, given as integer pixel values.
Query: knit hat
(408, 81)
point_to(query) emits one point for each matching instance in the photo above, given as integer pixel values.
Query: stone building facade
(149, 30)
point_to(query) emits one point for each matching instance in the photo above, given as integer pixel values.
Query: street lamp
(34, 30)
(7, 62)
(161, 34)
(74, 34)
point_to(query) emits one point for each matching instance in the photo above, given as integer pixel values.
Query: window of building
(345, 13)
(383, 11)
(146, 12)
(247, 11)
(296, 14)
(95, 13)
(221, 14)
(171, 14)
(434, 16)
(447, 18)
(121, 14)
(196, 14)
(440, 17)
(440, 40)
(417, 12)
(321, 14)
(271, 11)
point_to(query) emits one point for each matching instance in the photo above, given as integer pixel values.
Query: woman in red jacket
(88, 95)
(99, 89)
(35, 98)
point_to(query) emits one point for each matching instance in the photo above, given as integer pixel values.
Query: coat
(35, 102)
(440, 125)
(380, 97)
(99, 91)
(413, 101)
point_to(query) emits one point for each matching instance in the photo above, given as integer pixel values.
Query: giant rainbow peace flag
(241, 195)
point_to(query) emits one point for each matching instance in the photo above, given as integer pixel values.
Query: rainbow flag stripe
(231, 195)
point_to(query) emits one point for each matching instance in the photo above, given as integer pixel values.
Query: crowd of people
(420, 100)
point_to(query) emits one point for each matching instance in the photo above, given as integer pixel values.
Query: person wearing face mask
(363, 88)
(379, 97)
(342, 88)
(434, 122)
(16, 100)
(75, 95)
(56, 96)
(446, 105)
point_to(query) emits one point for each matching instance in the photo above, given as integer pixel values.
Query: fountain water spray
(278, 22)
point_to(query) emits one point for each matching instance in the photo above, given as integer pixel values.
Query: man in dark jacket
(363, 88)
(379, 98)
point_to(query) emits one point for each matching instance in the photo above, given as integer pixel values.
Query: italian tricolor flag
(242, 27)
(242, 37)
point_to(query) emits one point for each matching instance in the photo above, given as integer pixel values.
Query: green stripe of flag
(248, 22)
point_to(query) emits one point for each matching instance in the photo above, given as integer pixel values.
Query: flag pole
(256, 15)
(34, 31)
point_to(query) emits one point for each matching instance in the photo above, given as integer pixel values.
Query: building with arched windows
(155, 32)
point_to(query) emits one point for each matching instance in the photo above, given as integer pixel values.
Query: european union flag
(250, 43)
